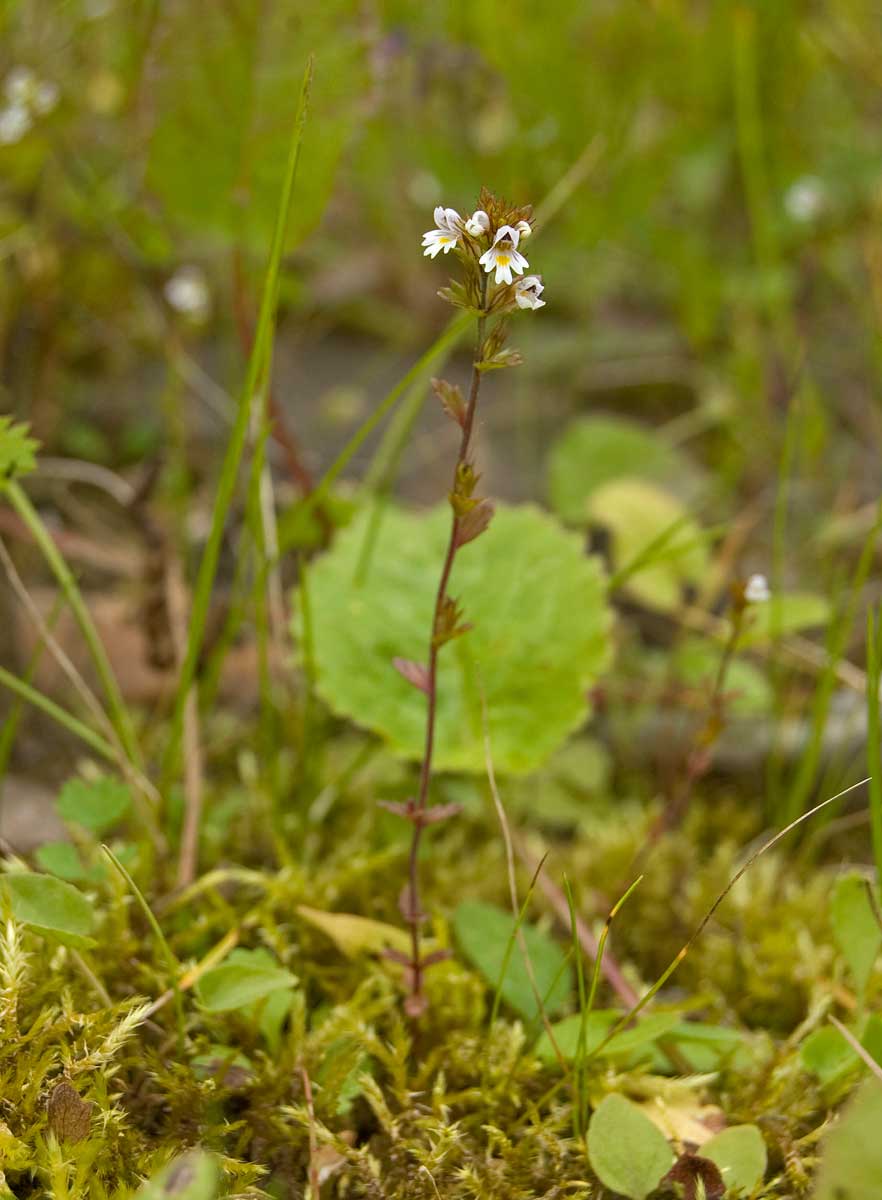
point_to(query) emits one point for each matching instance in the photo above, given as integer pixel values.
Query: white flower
(524, 228)
(15, 121)
(756, 590)
(18, 87)
(446, 233)
(503, 255)
(45, 96)
(478, 223)
(528, 290)
(805, 199)
(187, 292)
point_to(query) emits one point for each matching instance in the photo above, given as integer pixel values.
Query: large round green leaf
(540, 636)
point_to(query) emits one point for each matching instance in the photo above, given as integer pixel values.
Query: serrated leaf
(595, 451)
(656, 546)
(192, 1176)
(855, 928)
(851, 1155)
(540, 635)
(740, 1153)
(94, 804)
(17, 449)
(243, 978)
(628, 1154)
(50, 907)
(356, 935)
(483, 932)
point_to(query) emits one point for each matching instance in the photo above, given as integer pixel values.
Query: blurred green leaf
(484, 932)
(243, 978)
(192, 1176)
(94, 804)
(50, 907)
(851, 1155)
(657, 548)
(628, 1154)
(855, 928)
(740, 1153)
(540, 635)
(62, 859)
(595, 451)
(785, 613)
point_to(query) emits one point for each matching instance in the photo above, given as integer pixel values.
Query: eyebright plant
(487, 248)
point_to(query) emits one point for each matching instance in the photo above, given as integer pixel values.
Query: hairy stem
(413, 913)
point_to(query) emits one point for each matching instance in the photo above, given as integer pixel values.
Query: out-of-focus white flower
(528, 290)
(15, 121)
(19, 85)
(503, 256)
(446, 233)
(45, 96)
(756, 590)
(524, 228)
(478, 223)
(187, 292)
(805, 199)
(22, 87)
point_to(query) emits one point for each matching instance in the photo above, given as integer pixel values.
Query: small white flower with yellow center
(445, 235)
(478, 223)
(503, 255)
(528, 290)
(756, 590)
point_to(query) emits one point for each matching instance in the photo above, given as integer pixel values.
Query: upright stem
(413, 913)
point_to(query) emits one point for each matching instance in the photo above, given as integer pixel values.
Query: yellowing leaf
(355, 935)
(657, 549)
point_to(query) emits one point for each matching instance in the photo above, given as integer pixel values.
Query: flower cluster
(488, 243)
(26, 99)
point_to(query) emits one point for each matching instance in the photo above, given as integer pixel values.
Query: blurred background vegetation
(707, 183)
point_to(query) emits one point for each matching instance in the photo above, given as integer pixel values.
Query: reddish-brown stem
(413, 914)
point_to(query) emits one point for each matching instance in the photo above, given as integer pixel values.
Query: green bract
(540, 635)
(17, 450)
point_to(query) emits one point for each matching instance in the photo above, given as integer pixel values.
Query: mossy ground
(342, 1083)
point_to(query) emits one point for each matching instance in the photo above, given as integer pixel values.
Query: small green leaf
(95, 804)
(851, 1158)
(17, 450)
(784, 613)
(855, 928)
(191, 1176)
(49, 906)
(566, 1034)
(484, 931)
(628, 1154)
(244, 977)
(740, 1153)
(62, 859)
(540, 635)
(828, 1056)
